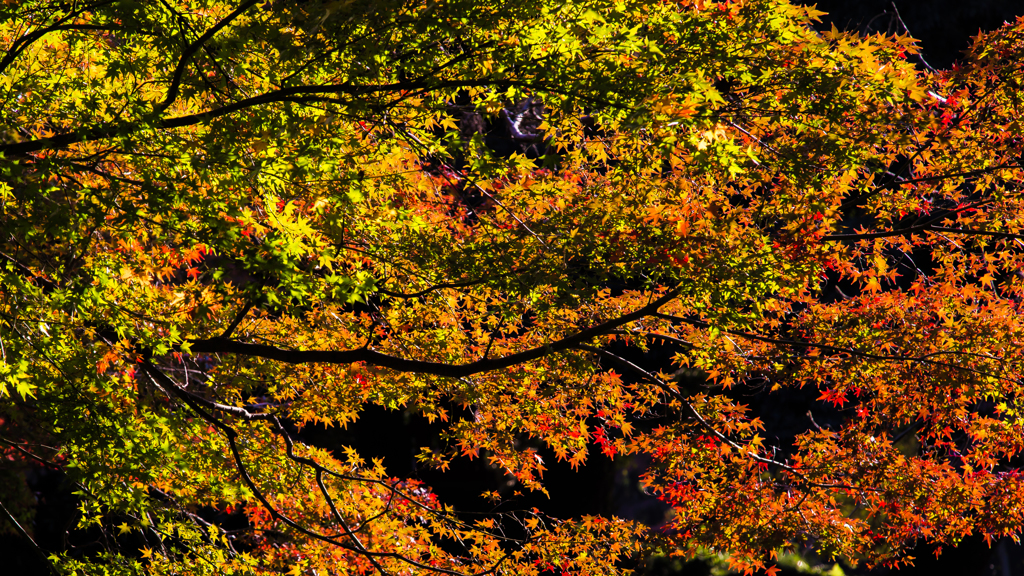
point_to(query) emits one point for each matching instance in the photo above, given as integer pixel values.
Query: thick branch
(19, 45)
(292, 94)
(225, 346)
(26, 41)
(186, 56)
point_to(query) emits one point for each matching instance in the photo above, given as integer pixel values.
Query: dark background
(944, 28)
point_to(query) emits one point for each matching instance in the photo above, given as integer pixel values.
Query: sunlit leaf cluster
(226, 224)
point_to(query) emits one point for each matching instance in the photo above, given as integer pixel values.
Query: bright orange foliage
(224, 223)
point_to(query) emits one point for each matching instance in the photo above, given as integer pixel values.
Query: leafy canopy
(225, 223)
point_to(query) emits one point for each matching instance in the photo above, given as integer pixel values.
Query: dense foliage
(224, 224)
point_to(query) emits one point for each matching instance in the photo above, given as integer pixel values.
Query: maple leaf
(290, 233)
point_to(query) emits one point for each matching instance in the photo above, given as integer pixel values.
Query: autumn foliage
(225, 223)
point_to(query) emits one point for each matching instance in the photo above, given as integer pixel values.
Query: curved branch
(292, 94)
(851, 351)
(18, 528)
(225, 346)
(714, 431)
(344, 526)
(693, 411)
(25, 41)
(231, 434)
(170, 387)
(186, 56)
(425, 291)
(920, 228)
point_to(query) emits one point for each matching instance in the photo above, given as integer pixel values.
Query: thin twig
(18, 527)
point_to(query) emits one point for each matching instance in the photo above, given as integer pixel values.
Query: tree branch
(225, 346)
(851, 351)
(21, 530)
(921, 228)
(186, 56)
(25, 41)
(295, 93)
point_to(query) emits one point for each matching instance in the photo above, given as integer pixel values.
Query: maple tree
(224, 223)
